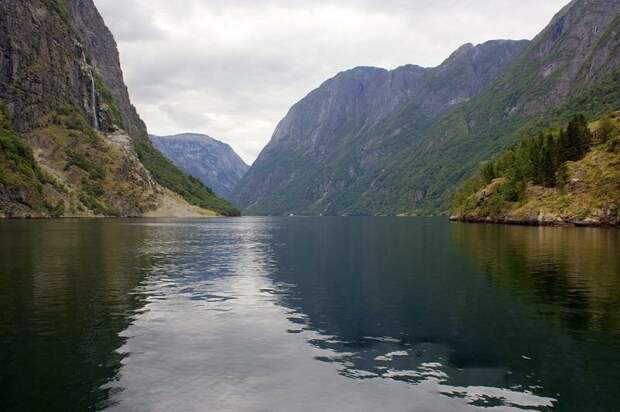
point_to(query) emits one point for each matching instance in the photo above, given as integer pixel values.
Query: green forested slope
(170, 176)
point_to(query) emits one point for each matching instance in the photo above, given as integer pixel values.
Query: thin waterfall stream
(94, 101)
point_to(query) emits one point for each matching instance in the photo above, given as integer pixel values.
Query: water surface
(307, 314)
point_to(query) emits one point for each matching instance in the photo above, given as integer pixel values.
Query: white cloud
(232, 68)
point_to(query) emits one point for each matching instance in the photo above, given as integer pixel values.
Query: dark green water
(307, 314)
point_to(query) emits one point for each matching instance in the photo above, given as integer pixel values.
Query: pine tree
(563, 146)
(488, 172)
(571, 148)
(548, 162)
(585, 136)
(578, 138)
(536, 156)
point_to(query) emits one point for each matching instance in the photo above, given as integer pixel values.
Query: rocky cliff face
(329, 138)
(42, 65)
(72, 142)
(376, 142)
(212, 162)
(104, 54)
(59, 53)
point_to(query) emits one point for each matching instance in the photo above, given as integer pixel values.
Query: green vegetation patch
(67, 117)
(21, 179)
(109, 105)
(95, 170)
(58, 7)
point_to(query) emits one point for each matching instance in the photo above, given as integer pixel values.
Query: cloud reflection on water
(224, 329)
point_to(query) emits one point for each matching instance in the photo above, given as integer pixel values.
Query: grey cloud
(190, 116)
(131, 22)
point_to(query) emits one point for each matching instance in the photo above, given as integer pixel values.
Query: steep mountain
(72, 142)
(328, 141)
(212, 162)
(399, 142)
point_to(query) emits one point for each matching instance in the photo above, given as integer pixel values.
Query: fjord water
(307, 314)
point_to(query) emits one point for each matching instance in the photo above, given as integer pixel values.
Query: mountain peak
(461, 51)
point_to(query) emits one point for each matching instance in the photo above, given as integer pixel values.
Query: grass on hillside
(21, 180)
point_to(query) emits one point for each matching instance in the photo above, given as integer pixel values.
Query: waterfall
(94, 101)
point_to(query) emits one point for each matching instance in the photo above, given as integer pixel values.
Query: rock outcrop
(585, 192)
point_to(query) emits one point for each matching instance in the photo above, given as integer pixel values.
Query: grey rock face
(29, 87)
(51, 54)
(213, 162)
(576, 49)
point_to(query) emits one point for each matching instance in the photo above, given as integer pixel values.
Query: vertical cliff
(101, 46)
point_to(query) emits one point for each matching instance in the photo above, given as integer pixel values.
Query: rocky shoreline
(540, 220)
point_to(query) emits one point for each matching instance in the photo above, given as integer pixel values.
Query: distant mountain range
(213, 162)
(371, 141)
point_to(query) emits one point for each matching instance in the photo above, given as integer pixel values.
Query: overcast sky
(232, 68)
